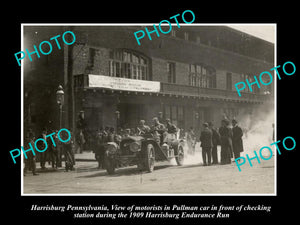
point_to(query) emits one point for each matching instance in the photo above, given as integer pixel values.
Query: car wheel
(150, 158)
(180, 156)
(109, 164)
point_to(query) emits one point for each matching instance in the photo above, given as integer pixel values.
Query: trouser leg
(229, 155)
(42, 159)
(204, 155)
(214, 153)
(237, 154)
(33, 165)
(208, 151)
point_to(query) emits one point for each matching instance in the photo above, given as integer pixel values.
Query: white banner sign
(124, 84)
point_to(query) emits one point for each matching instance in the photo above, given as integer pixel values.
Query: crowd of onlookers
(230, 140)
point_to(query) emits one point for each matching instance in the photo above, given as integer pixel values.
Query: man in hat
(215, 142)
(226, 141)
(68, 152)
(158, 129)
(171, 131)
(206, 144)
(81, 132)
(237, 142)
(30, 161)
(171, 128)
(127, 133)
(142, 128)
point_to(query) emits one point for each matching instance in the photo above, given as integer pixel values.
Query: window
(186, 36)
(128, 64)
(229, 81)
(202, 76)
(171, 72)
(254, 87)
(243, 79)
(173, 33)
(175, 114)
(192, 77)
(180, 114)
(231, 113)
(91, 59)
(167, 112)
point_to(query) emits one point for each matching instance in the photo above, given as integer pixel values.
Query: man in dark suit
(215, 141)
(237, 142)
(206, 144)
(30, 161)
(226, 141)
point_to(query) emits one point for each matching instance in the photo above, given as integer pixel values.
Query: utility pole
(70, 85)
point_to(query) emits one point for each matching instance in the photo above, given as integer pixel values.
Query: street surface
(167, 178)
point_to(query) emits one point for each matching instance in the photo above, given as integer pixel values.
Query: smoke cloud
(258, 132)
(257, 128)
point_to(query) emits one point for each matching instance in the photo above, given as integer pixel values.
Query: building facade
(187, 76)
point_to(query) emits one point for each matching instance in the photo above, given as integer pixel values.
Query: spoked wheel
(180, 156)
(149, 158)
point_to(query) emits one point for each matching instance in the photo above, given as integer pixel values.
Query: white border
(151, 24)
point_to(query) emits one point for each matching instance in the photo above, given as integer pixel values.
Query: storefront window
(127, 64)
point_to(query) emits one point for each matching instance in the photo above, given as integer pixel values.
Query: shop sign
(125, 84)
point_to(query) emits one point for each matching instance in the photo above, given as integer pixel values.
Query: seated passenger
(172, 131)
(142, 128)
(158, 130)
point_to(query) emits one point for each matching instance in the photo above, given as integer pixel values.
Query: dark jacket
(237, 142)
(215, 137)
(206, 138)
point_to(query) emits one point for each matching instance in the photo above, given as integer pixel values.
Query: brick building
(187, 75)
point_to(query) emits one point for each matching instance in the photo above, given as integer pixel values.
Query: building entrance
(130, 114)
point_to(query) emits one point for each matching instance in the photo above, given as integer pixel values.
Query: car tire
(180, 156)
(149, 158)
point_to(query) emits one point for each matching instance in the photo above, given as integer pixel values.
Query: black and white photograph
(132, 114)
(168, 115)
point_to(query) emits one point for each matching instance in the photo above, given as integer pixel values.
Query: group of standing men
(53, 154)
(230, 140)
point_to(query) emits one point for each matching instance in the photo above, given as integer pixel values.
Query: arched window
(202, 76)
(128, 64)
